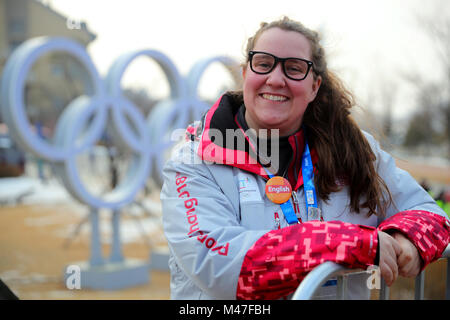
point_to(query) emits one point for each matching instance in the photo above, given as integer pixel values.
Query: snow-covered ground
(29, 190)
(140, 221)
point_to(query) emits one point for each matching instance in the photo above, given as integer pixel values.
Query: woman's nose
(276, 78)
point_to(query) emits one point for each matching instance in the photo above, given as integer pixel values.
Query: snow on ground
(28, 190)
(139, 222)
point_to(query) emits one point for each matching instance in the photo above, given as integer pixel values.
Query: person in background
(443, 200)
(245, 223)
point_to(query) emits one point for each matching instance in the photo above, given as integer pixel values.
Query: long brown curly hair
(342, 149)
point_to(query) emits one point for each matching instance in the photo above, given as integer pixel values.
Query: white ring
(145, 139)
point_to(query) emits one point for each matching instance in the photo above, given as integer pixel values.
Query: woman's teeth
(273, 98)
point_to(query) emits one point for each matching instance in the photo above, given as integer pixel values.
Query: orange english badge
(278, 190)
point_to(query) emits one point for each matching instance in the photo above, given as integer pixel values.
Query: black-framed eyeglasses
(293, 68)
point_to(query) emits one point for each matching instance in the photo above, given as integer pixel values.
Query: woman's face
(273, 101)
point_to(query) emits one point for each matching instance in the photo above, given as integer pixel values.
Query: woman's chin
(272, 125)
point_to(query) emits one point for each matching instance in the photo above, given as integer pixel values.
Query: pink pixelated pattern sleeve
(275, 265)
(429, 232)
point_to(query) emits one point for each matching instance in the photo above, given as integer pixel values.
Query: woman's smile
(273, 97)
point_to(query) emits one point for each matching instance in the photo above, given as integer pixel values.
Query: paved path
(33, 257)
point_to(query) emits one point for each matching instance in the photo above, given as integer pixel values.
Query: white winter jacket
(228, 241)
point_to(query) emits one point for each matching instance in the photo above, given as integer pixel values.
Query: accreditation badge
(278, 190)
(314, 214)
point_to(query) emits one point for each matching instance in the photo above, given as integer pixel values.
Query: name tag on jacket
(248, 188)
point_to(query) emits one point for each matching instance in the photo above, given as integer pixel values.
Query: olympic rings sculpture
(147, 139)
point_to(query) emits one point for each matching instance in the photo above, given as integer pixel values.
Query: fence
(317, 277)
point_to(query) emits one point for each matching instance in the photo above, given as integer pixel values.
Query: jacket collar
(221, 129)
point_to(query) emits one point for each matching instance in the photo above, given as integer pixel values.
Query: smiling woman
(273, 99)
(232, 232)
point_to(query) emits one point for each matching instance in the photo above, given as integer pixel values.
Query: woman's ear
(316, 84)
(315, 87)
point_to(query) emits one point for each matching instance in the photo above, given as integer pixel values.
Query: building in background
(21, 20)
(55, 79)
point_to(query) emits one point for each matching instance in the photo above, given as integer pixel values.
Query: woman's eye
(263, 65)
(296, 69)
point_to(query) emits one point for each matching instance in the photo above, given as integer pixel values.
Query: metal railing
(319, 275)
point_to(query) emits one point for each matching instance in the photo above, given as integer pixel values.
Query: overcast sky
(369, 43)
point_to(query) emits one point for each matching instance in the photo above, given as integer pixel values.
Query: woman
(248, 225)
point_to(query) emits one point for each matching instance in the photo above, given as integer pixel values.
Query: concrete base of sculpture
(110, 275)
(159, 259)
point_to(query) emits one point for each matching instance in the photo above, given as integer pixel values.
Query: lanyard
(313, 212)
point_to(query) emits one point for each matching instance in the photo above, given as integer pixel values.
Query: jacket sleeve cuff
(275, 265)
(428, 231)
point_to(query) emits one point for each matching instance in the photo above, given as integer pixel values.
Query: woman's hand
(409, 262)
(390, 250)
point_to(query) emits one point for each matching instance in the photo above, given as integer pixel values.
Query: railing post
(321, 273)
(342, 287)
(384, 292)
(447, 288)
(419, 286)
(314, 280)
